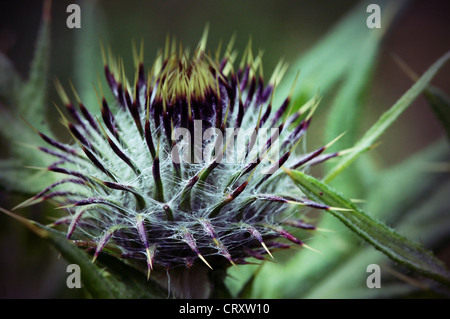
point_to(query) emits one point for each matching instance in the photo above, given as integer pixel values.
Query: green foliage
(334, 56)
(32, 102)
(118, 281)
(397, 247)
(387, 119)
(88, 56)
(25, 100)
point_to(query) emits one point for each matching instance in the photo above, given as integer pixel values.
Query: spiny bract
(134, 190)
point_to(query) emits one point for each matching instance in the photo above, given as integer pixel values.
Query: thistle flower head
(183, 170)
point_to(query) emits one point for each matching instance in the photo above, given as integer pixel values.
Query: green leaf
(10, 81)
(32, 101)
(386, 120)
(16, 178)
(327, 62)
(427, 221)
(398, 248)
(440, 103)
(438, 100)
(394, 196)
(25, 100)
(345, 113)
(22, 151)
(351, 273)
(87, 53)
(404, 186)
(118, 280)
(346, 110)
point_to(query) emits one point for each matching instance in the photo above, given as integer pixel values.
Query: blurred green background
(282, 29)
